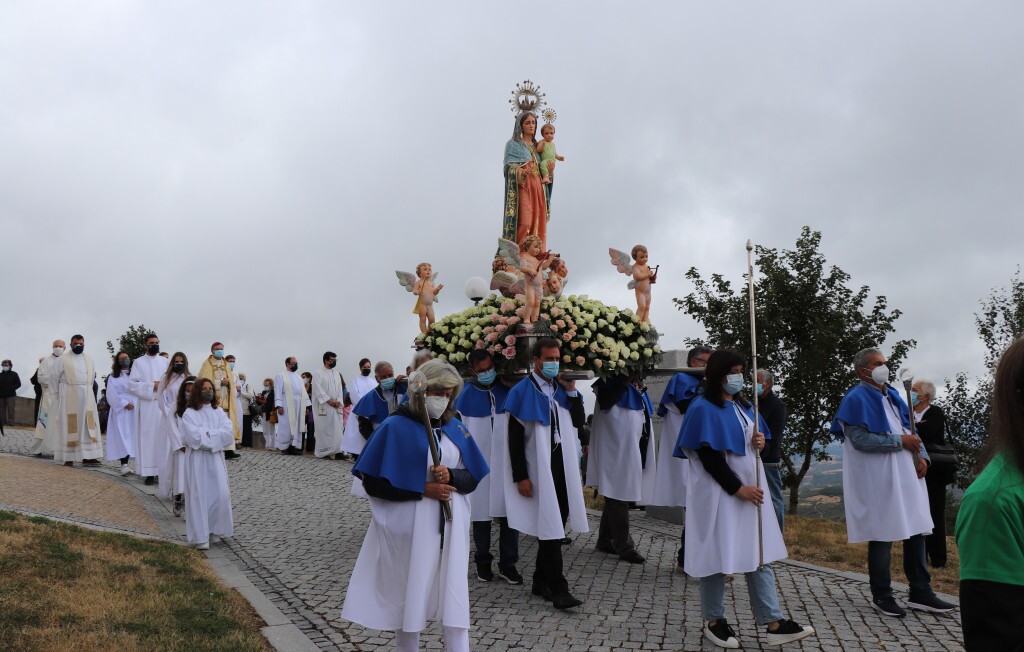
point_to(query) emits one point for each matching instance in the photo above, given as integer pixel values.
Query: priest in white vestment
(121, 421)
(411, 568)
(206, 431)
(884, 490)
(622, 460)
(328, 406)
(150, 438)
(364, 383)
(722, 500)
(291, 400)
(216, 368)
(47, 375)
(78, 426)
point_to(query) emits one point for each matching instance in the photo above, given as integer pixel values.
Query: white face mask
(436, 405)
(880, 374)
(58, 351)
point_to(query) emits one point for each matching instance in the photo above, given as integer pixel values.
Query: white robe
(883, 497)
(172, 472)
(614, 465)
(207, 433)
(292, 424)
(403, 577)
(150, 439)
(670, 478)
(491, 435)
(78, 429)
(329, 421)
(352, 440)
(48, 376)
(121, 420)
(539, 516)
(721, 530)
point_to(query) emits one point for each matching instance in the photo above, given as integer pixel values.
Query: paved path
(298, 531)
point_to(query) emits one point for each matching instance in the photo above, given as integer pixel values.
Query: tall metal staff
(418, 385)
(753, 370)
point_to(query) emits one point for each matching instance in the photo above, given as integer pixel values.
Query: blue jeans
(764, 599)
(508, 543)
(773, 476)
(879, 555)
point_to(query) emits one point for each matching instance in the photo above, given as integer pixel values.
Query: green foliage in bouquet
(594, 337)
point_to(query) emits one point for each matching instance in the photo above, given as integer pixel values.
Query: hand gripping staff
(753, 371)
(418, 387)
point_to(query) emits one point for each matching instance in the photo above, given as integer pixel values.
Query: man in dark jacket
(9, 384)
(773, 410)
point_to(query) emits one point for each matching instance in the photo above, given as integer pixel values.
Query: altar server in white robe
(481, 406)
(150, 438)
(172, 472)
(622, 461)
(216, 368)
(291, 400)
(411, 568)
(364, 383)
(884, 491)
(178, 447)
(207, 431)
(328, 406)
(78, 426)
(543, 487)
(47, 375)
(121, 422)
(722, 499)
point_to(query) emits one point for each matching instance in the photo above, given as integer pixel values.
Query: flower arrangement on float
(594, 337)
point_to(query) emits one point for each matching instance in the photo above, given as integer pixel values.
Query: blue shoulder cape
(717, 427)
(681, 387)
(631, 399)
(474, 401)
(398, 449)
(527, 403)
(862, 406)
(374, 408)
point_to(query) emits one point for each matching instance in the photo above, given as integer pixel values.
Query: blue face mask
(733, 383)
(759, 389)
(231, 364)
(218, 354)
(913, 398)
(486, 377)
(387, 383)
(549, 370)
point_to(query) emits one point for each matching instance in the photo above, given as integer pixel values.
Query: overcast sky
(254, 172)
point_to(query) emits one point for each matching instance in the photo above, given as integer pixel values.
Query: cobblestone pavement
(298, 531)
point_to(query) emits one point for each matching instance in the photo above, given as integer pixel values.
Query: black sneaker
(632, 557)
(541, 591)
(931, 603)
(483, 573)
(565, 601)
(510, 574)
(721, 634)
(788, 632)
(231, 455)
(888, 607)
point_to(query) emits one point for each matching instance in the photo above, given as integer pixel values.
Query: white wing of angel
(622, 263)
(406, 280)
(509, 251)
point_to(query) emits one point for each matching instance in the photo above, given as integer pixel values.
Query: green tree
(967, 402)
(809, 326)
(133, 342)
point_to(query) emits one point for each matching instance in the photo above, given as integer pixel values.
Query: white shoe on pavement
(125, 470)
(205, 545)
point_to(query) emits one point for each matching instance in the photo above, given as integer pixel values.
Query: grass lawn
(822, 542)
(64, 587)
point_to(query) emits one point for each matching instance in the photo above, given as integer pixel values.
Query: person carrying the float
(411, 568)
(722, 498)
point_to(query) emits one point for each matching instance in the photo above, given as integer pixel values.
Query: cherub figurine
(532, 264)
(643, 277)
(425, 290)
(557, 278)
(505, 276)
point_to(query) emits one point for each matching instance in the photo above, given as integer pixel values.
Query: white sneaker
(125, 470)
(203, 546)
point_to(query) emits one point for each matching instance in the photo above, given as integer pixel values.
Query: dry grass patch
(822, 542)
(67, 588)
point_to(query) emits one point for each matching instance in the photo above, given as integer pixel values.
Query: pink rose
(507, 306)
(554, 328)
(495, 317)
(500, 328)
(510, 340)
(480, 344)
(509, 353)
(513, 320)
(491, 337)
(566, 336)
(598, 363)
(580, 360)
(561, 323)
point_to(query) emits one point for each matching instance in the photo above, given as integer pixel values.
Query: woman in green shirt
(990, 524)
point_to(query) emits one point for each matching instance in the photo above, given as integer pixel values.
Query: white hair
(433, 374)
(861, 358)
(927, 387)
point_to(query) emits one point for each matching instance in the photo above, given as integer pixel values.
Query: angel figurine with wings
(425, 290)
(643, 277)
(531, 264)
